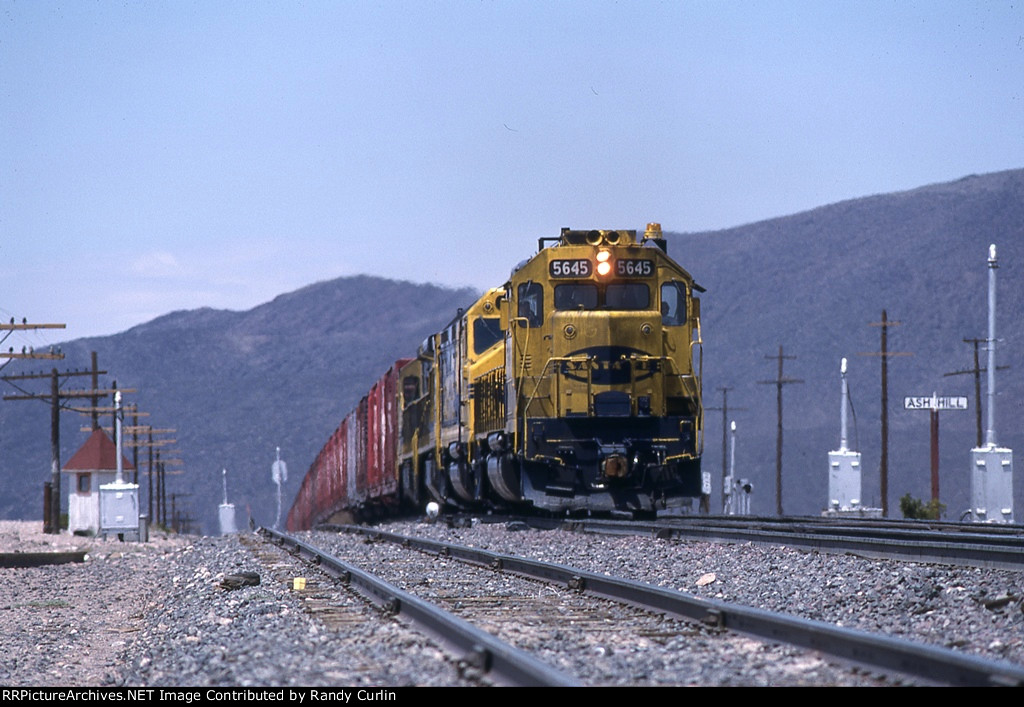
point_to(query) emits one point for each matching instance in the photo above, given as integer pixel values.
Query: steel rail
(504, 663)
(1000, 551)
(38, 559)
(989, 533)
(937, 665)
(854, 522)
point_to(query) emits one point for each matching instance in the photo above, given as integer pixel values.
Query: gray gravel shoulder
(158, 614)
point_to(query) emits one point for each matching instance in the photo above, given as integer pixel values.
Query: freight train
(573, 388)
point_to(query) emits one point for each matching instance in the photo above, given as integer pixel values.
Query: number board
(580, 267)
(634, 268)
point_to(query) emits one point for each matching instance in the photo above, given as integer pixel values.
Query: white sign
(935, 402)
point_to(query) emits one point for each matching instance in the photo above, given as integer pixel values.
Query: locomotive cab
(603, 383)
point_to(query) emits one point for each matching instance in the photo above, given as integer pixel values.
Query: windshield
(629, 296)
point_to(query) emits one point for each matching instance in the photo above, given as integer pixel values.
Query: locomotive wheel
(504, 477)
(464, 480)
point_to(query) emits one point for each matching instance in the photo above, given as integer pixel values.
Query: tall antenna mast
(990, 432)
(991, 465)
(842, 411)
(117, 418)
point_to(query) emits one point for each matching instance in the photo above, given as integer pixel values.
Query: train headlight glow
(603, 256)
(604, 268)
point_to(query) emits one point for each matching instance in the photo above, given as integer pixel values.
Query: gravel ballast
(165, 613)
(978, 611)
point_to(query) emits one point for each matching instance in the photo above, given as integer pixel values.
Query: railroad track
(971, 545)
(724, 621)
(475, 648)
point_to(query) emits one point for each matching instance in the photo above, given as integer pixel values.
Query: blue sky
(157, 156)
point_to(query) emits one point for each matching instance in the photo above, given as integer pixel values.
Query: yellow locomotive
(575, 387)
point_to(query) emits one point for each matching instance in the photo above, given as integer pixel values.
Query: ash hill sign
(934, 402)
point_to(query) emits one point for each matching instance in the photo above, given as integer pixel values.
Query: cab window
(574, 297)
(628, 296)
(410, 389)
(486, 333)
(531, 303)
(673, 303)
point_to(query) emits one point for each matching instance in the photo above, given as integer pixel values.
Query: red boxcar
(356, 471)
(382, 436)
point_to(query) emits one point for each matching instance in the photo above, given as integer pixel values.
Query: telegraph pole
(53, 527)
(778, 383)
(725, 437)
(95, 386)
(178, 521)
(51, 509)
(977, 371)
(885, 354)
(26, 353)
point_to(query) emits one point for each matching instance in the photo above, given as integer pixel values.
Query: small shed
(92, 466)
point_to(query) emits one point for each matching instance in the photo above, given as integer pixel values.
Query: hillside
(813, 283)
(238, 384)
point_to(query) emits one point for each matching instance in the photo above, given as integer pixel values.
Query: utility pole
(159, 490)
(51, 509)
(53, 526)
(166, 460)
(154, 485)
(778, 383)
(26, 352)
(977, 371)
(178, 522)
(885, 354)
(725, 438)
(95, 385)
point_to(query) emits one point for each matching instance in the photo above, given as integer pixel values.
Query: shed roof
(99, 453)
